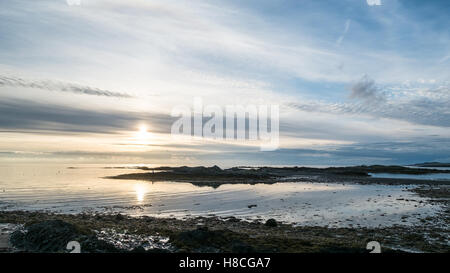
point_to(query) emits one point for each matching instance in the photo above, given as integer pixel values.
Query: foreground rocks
(52, 236)
(5, 246)
(46, 232)
(271, 223)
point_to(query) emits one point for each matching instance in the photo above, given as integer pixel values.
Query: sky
(356, 81)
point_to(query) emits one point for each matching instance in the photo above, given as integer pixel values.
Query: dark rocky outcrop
(271, 223)
(53, 235)
(203, 240)
(215, 176)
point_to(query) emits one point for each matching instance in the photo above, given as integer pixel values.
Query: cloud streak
(346, 28)
(373, 2)
(9, 81)
(23, 115)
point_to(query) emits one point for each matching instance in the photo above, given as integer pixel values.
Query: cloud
(23, 115)
(422, 106)
(386, 152)
(374, 2)
(366, 89)
(444, 59)
(58, 86)
(346, 28)
(227, 53)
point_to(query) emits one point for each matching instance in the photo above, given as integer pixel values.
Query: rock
(120, 217)
(138, 249)
(52, 236)
(204, 240)
(271, 223)
(4, 243)
(233, 219)
(216, 168)
(46, 236)
(241, 247)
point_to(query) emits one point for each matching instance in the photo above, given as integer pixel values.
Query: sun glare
(143, 129)
(142, 134)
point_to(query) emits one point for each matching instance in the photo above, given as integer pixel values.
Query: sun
(142, 134)
(143, 129)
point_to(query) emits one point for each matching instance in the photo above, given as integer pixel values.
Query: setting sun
(142, 134)
(143, 129)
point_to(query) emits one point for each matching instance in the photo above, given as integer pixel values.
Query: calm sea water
(432, 176)
(84, 189)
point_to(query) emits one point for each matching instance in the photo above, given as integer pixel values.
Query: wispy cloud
(346, 28)
(50, 85)
(373, 2)
(444, 59)
(26, 115)
(422, 106)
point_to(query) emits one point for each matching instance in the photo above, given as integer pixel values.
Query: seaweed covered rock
(53, 235)
(47, 236)
(209, 241)
(271, 223)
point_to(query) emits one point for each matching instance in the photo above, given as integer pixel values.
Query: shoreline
(231, 235)
(215, 234)
(104, 232)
